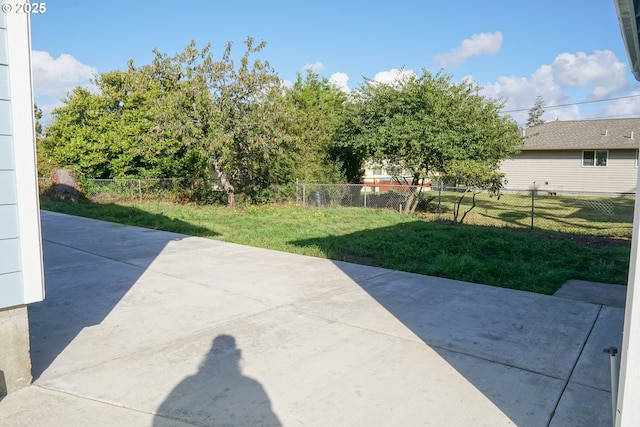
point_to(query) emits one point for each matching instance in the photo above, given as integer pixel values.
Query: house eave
(628, 19)
(585, 147)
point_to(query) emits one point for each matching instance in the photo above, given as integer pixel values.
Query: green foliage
(230, 118)
(195, 116)
(228, 113)
(422, 124)
(44, 166)
(350, 148)
(37, 115)
(316, 105)
(103, 133)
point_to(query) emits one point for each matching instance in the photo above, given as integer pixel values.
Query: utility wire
(573, 103)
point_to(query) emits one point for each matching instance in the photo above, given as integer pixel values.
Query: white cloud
(629, 107)
(57, 76)
(340, 81)
(393, 75)
(521, 92)
(478, 44)
(600, 75)
(316, 67)
(603, 70)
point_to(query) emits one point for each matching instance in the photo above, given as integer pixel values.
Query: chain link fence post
(364, 187)
(440, 201)
(533, 202)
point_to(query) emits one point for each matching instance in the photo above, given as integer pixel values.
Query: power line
(628, 116)
(573, 103)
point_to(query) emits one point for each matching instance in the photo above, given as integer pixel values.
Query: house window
(376, 170)
(595, 157)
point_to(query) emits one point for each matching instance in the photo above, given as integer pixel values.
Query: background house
(382, 176)
(579, 155)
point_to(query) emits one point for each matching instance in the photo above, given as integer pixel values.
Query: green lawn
(595, 215)
(532, 260)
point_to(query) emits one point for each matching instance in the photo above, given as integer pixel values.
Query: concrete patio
(148, 328)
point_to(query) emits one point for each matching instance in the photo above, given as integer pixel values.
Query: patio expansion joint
(147, 268)
(486, 359)
(419, 340)
(89, 399)
(334, 321)
(107, 258)
(575, 364)
(161, 345)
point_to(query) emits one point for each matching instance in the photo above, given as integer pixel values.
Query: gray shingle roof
(603, 134)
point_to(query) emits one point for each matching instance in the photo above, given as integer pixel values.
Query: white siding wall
(563, 171)
(21, 273)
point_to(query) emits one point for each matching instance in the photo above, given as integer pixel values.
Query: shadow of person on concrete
(218, 394)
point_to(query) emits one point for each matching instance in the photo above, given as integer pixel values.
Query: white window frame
(595, 158)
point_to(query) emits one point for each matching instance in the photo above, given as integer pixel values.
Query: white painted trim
(21, 89)
(627, 408)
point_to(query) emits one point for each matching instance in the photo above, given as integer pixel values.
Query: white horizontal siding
(563, 171)
(21, 271)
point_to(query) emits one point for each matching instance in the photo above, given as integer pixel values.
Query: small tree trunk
(413, 200)
(410, 201)
(473, 205)
(417, 199)
(226, 184)
(456, 208)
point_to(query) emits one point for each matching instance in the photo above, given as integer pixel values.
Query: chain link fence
(608, 214)
(176, 190)
(146, 189)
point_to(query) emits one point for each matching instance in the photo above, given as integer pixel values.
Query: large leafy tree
(230, 115)
(102, 133)
(425, 124)
(74, 138)
(313, 106)
(187, 115)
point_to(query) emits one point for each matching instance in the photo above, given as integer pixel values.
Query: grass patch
(537, 261)
(596, 215)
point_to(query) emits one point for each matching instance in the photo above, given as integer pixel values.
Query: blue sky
(567, 51)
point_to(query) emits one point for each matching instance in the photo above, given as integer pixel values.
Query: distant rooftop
(603, 134)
